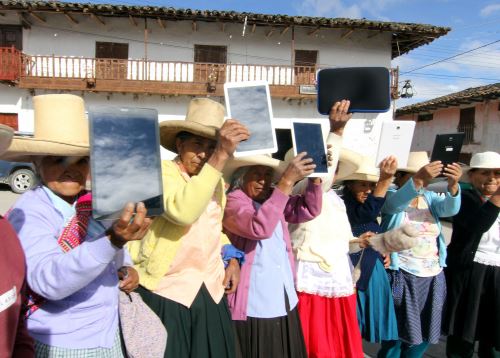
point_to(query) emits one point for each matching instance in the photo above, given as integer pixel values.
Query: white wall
(486, 131)
(176, 43)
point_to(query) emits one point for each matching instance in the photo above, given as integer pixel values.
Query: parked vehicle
(19, 176)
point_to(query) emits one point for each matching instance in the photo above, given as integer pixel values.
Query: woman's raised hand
(132, 225)
(297, 169)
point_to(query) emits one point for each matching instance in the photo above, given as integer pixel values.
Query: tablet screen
(250, 103)
(308, 137)
(125, 160)
(368, 88)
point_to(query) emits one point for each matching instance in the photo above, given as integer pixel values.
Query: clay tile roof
(405, 36)
(467, 96)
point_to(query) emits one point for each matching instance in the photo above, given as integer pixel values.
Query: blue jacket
(398, 200)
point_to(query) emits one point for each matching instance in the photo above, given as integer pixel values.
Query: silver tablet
(125, 160)
(250, 103)
(395, 139)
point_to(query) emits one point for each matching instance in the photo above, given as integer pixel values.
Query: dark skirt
(418, 302)
(204, 330)
(279, 337)
(473, 304)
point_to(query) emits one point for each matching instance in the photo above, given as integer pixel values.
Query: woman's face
(360, 189)
(65, 176)
(486, 181)
(400, 178)
(194, 152)
(257, 182)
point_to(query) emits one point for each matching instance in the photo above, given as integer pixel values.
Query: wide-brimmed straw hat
(6, 134)
(366, 171)
(416, 160)
(484, 160)
(349, 162)
(234, 164)
(61, 129)
(204, 117)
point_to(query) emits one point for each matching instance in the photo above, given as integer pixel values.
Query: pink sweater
(245, 225)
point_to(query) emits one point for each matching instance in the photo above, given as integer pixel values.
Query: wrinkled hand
(388, 167)
(300, 167)
(129, 279)
(232, 276)
(364, 239)
(339, 117)
(329, 154)
(453, 172)
(230, 135)
(427, 173)
(127, 229)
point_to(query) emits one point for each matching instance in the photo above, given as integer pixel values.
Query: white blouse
(488, 251)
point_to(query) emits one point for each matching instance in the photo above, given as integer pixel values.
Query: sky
(474, 23)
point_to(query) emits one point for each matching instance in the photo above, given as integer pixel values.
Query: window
(11, 35)
(9, 119)
(305, 66)
(210, 54)
(111, 50)
(210, 64)
(466, 124)
(111, 60)
(425, 117)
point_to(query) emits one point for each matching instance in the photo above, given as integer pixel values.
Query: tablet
(125, 160)
(395, 139)
(447, 148)
(308, 137)
(368, 88)
(250, 103)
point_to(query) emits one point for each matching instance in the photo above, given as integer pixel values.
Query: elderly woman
(181, 259)
(264, 305)
(364, 194)
(416, 275)
(72, 260)
(473, 272)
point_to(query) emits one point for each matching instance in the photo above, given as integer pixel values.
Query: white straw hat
(485, 160)
(416, 160)
(61, 129)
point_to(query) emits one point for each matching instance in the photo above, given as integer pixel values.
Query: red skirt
(330, 326)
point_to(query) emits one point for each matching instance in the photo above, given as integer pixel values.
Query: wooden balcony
(151, 77)
(10, 64)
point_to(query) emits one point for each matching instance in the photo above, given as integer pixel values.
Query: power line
(454, 76)
(449, 58)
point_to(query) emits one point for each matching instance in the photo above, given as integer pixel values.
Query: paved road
(7, 198)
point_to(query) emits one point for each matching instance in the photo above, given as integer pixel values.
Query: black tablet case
(368, 88)
(447, 148)
(309, 138)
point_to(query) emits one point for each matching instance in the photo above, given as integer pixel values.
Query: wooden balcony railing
(163, 71)
(10, 60)
(163, 77)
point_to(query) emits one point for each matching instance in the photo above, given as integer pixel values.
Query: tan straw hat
(349, 162)
(365, 172)
(416, 160)
(234, 164)
(204, 117)
(61, 129)
(484, 160)
(6, 134)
